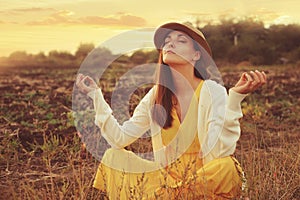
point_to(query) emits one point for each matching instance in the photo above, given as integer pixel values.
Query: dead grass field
(43, 158)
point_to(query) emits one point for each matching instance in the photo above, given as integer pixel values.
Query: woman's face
(179, 49)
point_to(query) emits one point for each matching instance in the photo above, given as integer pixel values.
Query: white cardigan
(218, 124)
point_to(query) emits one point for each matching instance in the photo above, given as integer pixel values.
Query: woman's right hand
(85, 84)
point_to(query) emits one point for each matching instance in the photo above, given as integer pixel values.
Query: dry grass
(43, 158)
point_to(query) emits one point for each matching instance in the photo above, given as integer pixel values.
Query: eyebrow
(179, 35)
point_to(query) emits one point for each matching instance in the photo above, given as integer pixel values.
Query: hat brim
(165, 29)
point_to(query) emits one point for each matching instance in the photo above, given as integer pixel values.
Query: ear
(197, 55)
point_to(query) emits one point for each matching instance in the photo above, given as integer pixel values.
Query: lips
(170, 51)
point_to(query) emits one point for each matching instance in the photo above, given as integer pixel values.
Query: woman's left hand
(250, 82)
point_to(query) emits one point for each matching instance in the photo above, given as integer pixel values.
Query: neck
(184, 78)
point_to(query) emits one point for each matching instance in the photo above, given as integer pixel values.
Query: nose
(170, 44)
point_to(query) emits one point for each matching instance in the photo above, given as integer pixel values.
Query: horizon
(44, 26)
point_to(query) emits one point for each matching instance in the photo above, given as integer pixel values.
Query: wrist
(238, 90)
(91, 92)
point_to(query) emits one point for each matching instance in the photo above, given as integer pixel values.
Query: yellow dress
(186, 178)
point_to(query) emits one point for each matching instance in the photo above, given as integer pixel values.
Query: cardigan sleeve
(119, 136)
(219, 120)
(231, 131)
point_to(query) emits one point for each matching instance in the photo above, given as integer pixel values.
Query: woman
(193, 123)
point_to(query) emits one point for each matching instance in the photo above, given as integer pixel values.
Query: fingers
(249, 78)
(244, 76)
(89, 80)
(260, 76)
(264, 76)
(254, 76)
(85, 83)
(79, 79)
(246, 81)
(257, 79)
(250, 82)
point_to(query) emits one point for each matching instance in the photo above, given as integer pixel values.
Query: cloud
(60, 17)
(196, 14)
(33, 9)
(203, 18)
(96, 20)
(131, 20)
(284, 19)
(265, 14)
(66, 17)
(123, 19)
(18, 11)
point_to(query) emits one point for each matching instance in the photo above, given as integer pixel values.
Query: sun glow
(46, 25)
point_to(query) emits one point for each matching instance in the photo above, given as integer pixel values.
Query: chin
(170, 61)
(173, 59)
(174, 62)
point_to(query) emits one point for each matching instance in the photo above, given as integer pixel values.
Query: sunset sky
(43, 25)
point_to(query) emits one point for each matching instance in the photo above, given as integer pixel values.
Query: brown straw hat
(162, 31)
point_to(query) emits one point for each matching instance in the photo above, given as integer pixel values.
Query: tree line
(231, 42)
(249, 40)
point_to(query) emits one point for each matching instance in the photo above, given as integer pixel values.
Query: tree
(18, 56)
(138, 57)
(83, 50)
